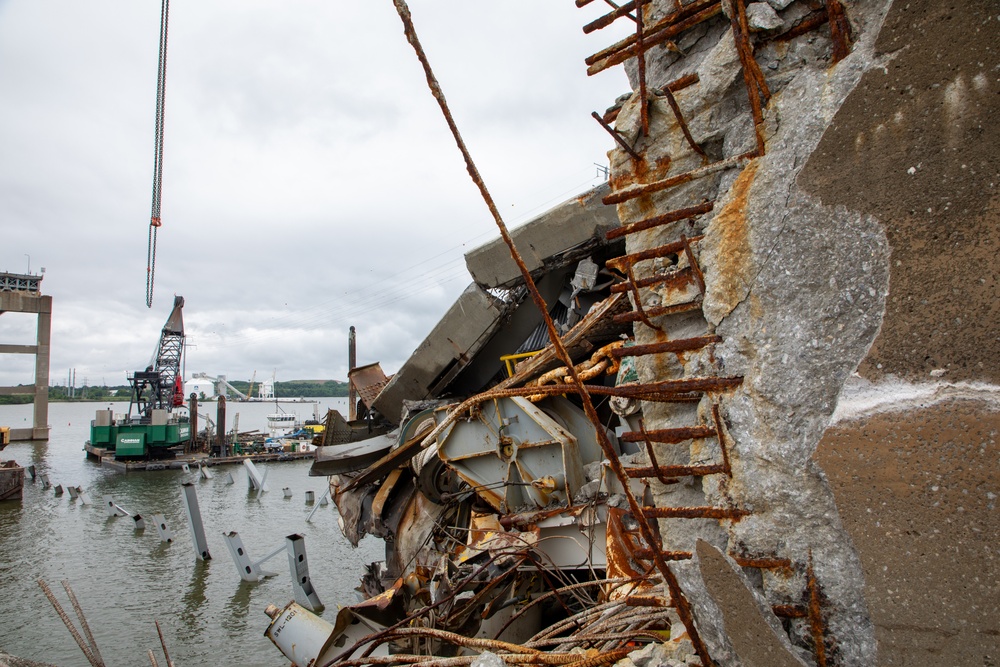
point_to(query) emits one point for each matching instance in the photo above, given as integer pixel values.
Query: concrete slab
(557, 237)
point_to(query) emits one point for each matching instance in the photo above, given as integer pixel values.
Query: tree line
(290, 389)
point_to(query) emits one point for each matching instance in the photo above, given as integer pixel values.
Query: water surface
(124, 578)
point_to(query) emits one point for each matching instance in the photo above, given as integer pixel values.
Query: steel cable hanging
(154, 218)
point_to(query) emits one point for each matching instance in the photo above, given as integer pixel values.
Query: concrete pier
(21, 293)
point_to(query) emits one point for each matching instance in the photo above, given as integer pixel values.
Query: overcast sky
(309, 183)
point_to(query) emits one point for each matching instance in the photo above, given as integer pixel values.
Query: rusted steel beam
(634, 191)
(699, 277)
(671, 280)
(608, 19)
(840, 30)
(669, 436)
(817, 625)
(669, 26)
(583, 3)
(659, 220)
(678, 345)
(618, 263)
(658, 311)
(789, 611)
(617, 137)
(694, 513)
(640, 57)
(674, 471)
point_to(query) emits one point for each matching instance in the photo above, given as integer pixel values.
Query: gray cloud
(310, 183)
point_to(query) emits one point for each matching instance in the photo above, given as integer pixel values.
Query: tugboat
(157, 419)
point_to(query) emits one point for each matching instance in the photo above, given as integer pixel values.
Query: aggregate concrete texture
(918, 493)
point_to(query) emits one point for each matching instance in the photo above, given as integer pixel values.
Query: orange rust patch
(731, 235)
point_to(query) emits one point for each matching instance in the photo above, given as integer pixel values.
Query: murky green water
(125, 579)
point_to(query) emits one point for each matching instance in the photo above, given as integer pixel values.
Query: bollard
(45, 481)
(84, 496)
(229, 478)
(302, 586)
(73, 492)
(310, 497)
(140, 523)
(190, 497)
(31, 471)
(249, 570)
(162, 529)
(205, 472)
(111, 508)
(59, 489)
(288, 492)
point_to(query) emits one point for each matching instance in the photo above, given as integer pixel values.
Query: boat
(157, 419)
(11, 480)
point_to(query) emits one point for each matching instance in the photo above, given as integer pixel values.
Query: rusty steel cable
(154, 216)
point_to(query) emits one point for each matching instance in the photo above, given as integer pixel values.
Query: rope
(154, 218)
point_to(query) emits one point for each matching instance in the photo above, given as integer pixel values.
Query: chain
(154, 218)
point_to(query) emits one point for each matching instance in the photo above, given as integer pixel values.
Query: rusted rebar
(737, 20)
(683, 607)
(699, 277)
(69, 625)
(669, 435)
(163, 644)
(667, 473)
(616, 136)
(494, 645)
(657, 311)
(676, 345)
(618, 263)
(633, 191)
(83, 621)
(840, 30)
(609, 18)
(657, 221)
(817, 625)
(640, 57)
(723, 447)
(676, 279)
(721, 513)
(663, 30)
(672, 101)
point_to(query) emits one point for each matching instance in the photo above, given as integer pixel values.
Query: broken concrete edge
(546, 241)
(456, 339)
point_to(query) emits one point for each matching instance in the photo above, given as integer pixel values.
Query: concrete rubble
(714, 310)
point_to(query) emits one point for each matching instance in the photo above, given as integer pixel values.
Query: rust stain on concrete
(730, 228)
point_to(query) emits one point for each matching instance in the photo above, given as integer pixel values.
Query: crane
(160, 386)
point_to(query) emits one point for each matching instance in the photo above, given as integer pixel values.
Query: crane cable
(154, 220)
